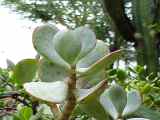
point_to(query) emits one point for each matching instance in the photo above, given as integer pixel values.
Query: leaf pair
(119, 104)
(72, 47)
(63, 48)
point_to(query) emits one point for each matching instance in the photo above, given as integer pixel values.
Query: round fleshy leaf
(137, 119)
(87, 38)
(92, 93)
(108, 105)
(133, 102)
(114, 100)
(118, 97)
(25, 70)
(50, 72)
(91, 80)
(43, 43)
(94, 109)
(146, 112)
(101, 64)
(97, 53)
(67, 45)
(54, 92)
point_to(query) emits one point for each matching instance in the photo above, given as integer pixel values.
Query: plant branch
(115, 9)
(14, 95)
(55, 109)
(71, 99)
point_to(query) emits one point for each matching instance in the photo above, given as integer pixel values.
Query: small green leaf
(133, 102)
(87, 38)
(92, 93)
(100, 64)
(43, 43)
(49, 72)
(54, 92)
(26, 113)
(121, 74)
(114, 100)
(67, 45)
(25, 70)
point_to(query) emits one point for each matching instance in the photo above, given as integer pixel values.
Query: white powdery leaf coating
(100, 50)
(54, 92)
(138, 119)
(108, 105)
(87, 38)
(133, 102)
(67, 45)
(94, 91)
(43, 42)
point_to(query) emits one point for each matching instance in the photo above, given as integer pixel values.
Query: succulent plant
(69, 58)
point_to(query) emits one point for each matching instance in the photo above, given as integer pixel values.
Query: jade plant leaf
(97, 53)
(94, 109)
(43, 43)
(100, 64)
(50, 72)
(25, 70)
(147, 113)
(133, 102)
(92, 93)
(100, 50)
(108, 105)
(54, 92)
(114, 100)
(87, 38)
(137, 119)
(88, 81)
(88, 102)
(67, 45)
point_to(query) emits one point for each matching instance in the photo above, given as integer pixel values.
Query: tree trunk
(138, 33)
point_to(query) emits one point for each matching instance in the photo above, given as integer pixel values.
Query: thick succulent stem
(71, 100)
(55, 110)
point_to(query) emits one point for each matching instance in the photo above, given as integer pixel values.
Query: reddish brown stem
(71, 100)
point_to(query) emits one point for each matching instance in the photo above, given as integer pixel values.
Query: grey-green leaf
(118, 97)
(97, 53)
(43, 43)
(148, 113)
(50, 72)
(100, 50)
(54, 92)
(87, 38)
(102, 63)
(92, 93)
(25, 70)
(133, 102)
(94, 109)
(108, 105)
(114, 100)
(67, 45)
